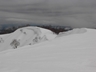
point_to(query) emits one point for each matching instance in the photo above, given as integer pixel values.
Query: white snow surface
(66, 53)
(25, 36)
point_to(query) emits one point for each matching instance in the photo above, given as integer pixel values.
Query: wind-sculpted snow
(25, 36)
(71, 53)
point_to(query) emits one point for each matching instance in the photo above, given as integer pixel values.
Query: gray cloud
(75, 13)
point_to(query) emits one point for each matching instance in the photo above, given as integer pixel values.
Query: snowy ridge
(25, 36)
(72, 53)
(74, 31)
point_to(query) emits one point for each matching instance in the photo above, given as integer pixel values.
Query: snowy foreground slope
(73, 51)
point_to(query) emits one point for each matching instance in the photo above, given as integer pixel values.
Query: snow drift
(66, 53)
(25, 36)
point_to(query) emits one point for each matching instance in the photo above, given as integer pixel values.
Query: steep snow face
(25, 36)
(71, 53)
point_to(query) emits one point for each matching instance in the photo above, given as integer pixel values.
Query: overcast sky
(75, 13)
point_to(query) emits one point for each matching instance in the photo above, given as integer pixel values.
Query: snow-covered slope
(25, 36)
(74, 31)
(72, 53)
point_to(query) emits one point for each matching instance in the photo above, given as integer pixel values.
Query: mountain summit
(25, 36)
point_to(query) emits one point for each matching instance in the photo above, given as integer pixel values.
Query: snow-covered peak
(25, 36)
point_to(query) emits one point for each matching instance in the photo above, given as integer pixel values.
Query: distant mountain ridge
(9, 28)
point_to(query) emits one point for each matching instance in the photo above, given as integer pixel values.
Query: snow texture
(25, 36)
(75, 52)
(74, 31)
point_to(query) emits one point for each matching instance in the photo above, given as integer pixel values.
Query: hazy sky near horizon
(75, 13)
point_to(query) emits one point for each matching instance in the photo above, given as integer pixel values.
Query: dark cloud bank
(75, 13)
